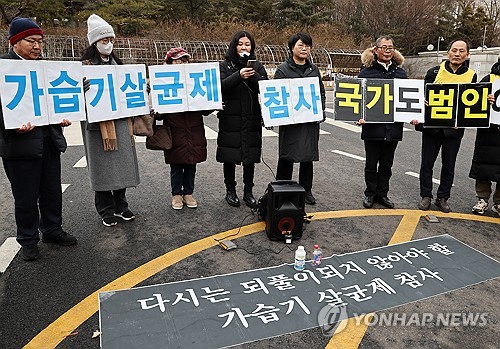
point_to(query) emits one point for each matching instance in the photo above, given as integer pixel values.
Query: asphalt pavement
(33, 295)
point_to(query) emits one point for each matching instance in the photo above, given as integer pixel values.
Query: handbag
(161, 138)
(143, 125)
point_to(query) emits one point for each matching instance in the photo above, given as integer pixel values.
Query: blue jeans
(182, 179)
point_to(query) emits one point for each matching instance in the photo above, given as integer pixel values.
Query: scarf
(108, 134)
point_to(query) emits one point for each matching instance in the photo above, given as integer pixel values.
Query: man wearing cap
(31, 159)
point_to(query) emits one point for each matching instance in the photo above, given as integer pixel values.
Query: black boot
(232, 198)
(248, 197)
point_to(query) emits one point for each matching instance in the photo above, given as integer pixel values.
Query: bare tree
(9, 11)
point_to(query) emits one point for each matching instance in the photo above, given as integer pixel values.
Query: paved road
(33, 295)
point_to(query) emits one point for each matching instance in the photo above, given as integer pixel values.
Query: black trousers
(230, 175)
(108, 203)
(285, 171)
(431, 144)
(182, 179)
(36, 187)
(378, 166)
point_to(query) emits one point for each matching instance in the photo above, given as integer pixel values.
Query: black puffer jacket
(374, 70)
(299, 142)
(240, 131)
(29, 145)
(486, 159)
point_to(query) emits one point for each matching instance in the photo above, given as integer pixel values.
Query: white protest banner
(290, 101)
(275, 102)
(408, 100)
(22, 93)
(203, 86)
(183, 87)
(102, 97)
(64, 91)
(41, 92)
(306, 100)
(495, 109)
(168, 88)
(132, 92)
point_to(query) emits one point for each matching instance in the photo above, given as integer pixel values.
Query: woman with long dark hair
(109, 145)
(240, 132)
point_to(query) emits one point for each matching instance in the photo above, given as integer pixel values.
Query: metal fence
(151, 52)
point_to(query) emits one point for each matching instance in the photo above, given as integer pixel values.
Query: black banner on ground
(231, 309)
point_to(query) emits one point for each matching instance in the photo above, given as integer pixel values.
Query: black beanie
(21, 28)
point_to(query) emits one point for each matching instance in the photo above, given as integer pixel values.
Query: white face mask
(104, 49)
(244, 54)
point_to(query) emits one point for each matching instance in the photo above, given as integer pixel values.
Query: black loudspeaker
(285, 210)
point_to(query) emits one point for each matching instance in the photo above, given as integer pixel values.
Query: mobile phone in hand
(251, 63)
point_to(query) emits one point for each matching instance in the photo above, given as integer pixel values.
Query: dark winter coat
(486, 159)
(430, 77)
(299, 142)
(240, 132)
(374, 70)
(29, 145)
(189, 145)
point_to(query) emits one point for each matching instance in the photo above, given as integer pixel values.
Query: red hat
(21, 28)
(176, 53)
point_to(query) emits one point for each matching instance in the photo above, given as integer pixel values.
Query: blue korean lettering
(135, 99)
(66, 104)
(100, 91)
(303, 102)
(277, 108)
(209, 83)
(21, 89)
(170, 91)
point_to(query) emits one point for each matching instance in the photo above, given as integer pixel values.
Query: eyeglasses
(106, 41)
(32, 42)
(386, 48)
(303, 47)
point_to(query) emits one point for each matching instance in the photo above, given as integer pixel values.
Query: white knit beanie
(98, 29)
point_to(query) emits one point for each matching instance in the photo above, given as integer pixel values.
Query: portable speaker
(284, 210)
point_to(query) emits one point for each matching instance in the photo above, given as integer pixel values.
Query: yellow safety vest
(445, 77)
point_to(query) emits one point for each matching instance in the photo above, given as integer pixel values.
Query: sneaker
(425, 203)
(63, 239)
(177, 203)
(442, 204)
(109, 222)
(126, 215)
(496, 208)
(189, 200)
(30, 252)
(480, 207)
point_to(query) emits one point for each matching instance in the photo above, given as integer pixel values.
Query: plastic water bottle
(317, 256)
(300, 259)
